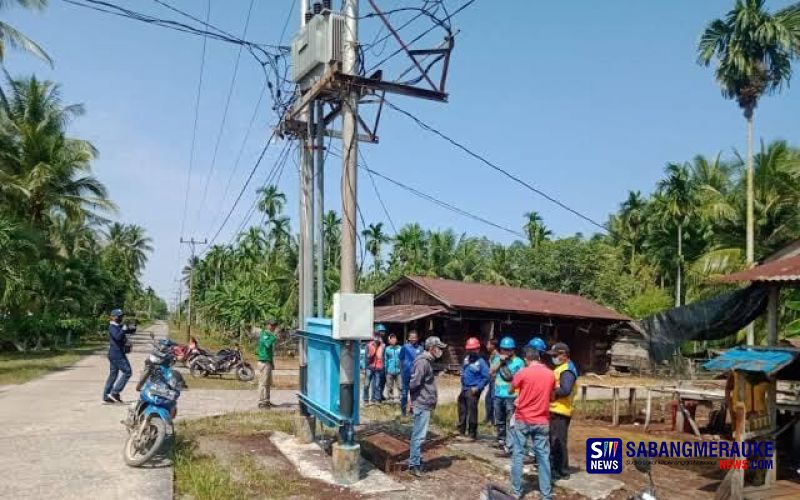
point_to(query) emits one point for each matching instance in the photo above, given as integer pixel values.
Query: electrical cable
(494, 166)
(378, 194)
(213, 163)
(246, 183)
(194, 127)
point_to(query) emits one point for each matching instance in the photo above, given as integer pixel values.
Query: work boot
(117, 398)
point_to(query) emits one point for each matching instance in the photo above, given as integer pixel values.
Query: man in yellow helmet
(566, 377)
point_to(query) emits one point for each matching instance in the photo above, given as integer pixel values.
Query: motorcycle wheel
(245, 372)
(144, 443)
(197, 371)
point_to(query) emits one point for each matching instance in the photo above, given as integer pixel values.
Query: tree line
(63, 262)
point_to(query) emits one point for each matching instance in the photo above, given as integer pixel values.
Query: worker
(265, 355)
(474, 377)
(409, 352)
(503, 372)
(374, 372)
(493, 357)
(424, 397)
(391, 366)
(534, 384)
(566, 377)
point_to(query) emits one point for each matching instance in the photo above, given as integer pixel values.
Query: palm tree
(375, 238)
(676, 196)
(627, 228)
(535, 229)
(754, 50)
(44, 172)
(9, 35)
(272, 201)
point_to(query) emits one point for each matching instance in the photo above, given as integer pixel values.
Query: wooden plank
(632, 403)
(678, 413)
(692, 423)
(615, 406)
(648, 410)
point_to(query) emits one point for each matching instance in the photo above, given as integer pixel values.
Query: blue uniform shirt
(474, 374)
(502, 388)
(391, 359)
(408, 353)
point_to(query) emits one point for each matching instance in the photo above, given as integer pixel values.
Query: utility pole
(319, 209)
(192, 244)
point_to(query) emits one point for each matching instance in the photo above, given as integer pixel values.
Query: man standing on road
(566, 376)
(474, 377)
(424, 397)
(119, 367)
(264, 354)
(531, 420)
(391, 363)
(503, 372)
(408, 354)
(374, 372)
(493, 358)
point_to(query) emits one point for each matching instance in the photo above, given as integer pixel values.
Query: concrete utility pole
(319, 209)
(192, 244)
(346, 452)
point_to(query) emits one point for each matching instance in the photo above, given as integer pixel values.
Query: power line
(494, 166)
(378, 194)
(194, 127)
(246, 183)
(210, 174)
(437, 201)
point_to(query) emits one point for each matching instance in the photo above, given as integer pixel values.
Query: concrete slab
(312, 462)
(593, 486)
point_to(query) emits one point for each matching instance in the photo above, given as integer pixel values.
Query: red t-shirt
(534, 385)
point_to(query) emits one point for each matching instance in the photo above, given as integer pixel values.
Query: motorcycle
(224, 361)
(150, 419)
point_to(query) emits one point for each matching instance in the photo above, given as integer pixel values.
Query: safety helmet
(116, 312)
(538, 344)
(507, 343)
(473, 344)
(380, 328)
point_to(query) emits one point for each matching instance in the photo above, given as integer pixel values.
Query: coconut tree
(535, 229)
(754, 50)
(375, 238)
(676, 197)
(17, 40)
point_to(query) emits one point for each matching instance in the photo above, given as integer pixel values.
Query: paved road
(59, 441)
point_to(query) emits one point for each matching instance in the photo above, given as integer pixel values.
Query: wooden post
(769, 480)
(632, 403)
(583, 396)
(648, 409)
(772, 315)
(737, 483)
(678, 413)
(615, 406)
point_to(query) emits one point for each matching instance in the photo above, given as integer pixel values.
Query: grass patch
(279, 484)
(230, 382)
(21, 367)
(445, 418)
(244, 423)
(201, 477)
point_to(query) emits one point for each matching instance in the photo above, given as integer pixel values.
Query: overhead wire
(194, 126)
(232, 85)
(423, 125)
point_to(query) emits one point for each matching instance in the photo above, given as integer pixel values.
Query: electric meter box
(319, 42)
(353, 316)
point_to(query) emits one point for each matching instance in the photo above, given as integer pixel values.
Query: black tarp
(711, 319)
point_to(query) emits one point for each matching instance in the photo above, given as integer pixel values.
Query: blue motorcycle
(149, 420)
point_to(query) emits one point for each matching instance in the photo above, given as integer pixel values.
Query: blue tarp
(749, 359)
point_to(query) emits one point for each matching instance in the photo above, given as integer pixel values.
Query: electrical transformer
(319, 42)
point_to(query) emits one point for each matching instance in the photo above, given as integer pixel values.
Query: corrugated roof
(786, 269)
(749, 359)
(460, 295)
(405, 313)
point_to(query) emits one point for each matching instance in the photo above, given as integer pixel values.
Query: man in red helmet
(474, 377)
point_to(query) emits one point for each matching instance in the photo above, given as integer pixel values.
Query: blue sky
(584, 99)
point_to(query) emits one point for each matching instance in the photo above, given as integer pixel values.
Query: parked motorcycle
(225, 361)
(149, 420)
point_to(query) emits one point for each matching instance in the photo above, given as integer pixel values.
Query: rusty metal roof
(477, 296)
(405, 313)
(786, 269)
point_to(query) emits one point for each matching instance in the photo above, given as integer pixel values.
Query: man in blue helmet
(503, 372)
(538, 344)
(119, 367)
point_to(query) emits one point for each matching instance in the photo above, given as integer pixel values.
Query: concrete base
(305, 428)
(346, 463)
(312, 462)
